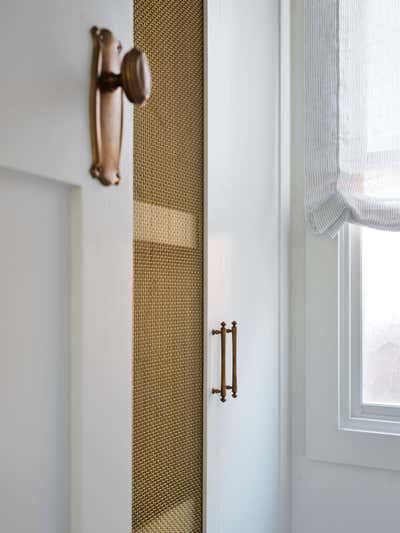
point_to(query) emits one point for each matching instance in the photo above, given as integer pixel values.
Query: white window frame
(354, 414)
(335, 430)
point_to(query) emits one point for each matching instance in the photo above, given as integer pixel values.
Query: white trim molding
(284, 266)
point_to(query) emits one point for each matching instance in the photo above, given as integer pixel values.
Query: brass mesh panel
(168, 272)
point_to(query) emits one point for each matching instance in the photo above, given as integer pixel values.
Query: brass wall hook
(111, 75)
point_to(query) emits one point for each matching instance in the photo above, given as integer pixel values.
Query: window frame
(335, 431)
(354, 414)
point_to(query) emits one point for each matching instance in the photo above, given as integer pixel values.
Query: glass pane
(380, 258)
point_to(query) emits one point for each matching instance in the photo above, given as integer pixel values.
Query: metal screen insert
(168, 272)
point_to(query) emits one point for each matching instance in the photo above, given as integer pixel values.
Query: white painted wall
(326, 498)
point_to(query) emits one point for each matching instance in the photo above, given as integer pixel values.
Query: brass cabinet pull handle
(222, 390)
(234, 359)
(224, 387)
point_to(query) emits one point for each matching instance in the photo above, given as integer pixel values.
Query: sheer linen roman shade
(352, 114)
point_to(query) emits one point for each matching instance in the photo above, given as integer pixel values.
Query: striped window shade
(352, 114)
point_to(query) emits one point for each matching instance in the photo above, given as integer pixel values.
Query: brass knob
(136, 77)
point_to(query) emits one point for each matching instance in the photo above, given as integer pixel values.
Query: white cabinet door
(65, 280)
(242, 434)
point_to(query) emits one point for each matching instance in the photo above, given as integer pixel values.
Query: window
(352, 417)
(369, 332)
(380, 306)
(369, 272)
(352, 284)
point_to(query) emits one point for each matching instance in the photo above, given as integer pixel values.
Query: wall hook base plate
(105, 107)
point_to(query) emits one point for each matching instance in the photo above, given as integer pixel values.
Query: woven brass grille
(168, 272)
